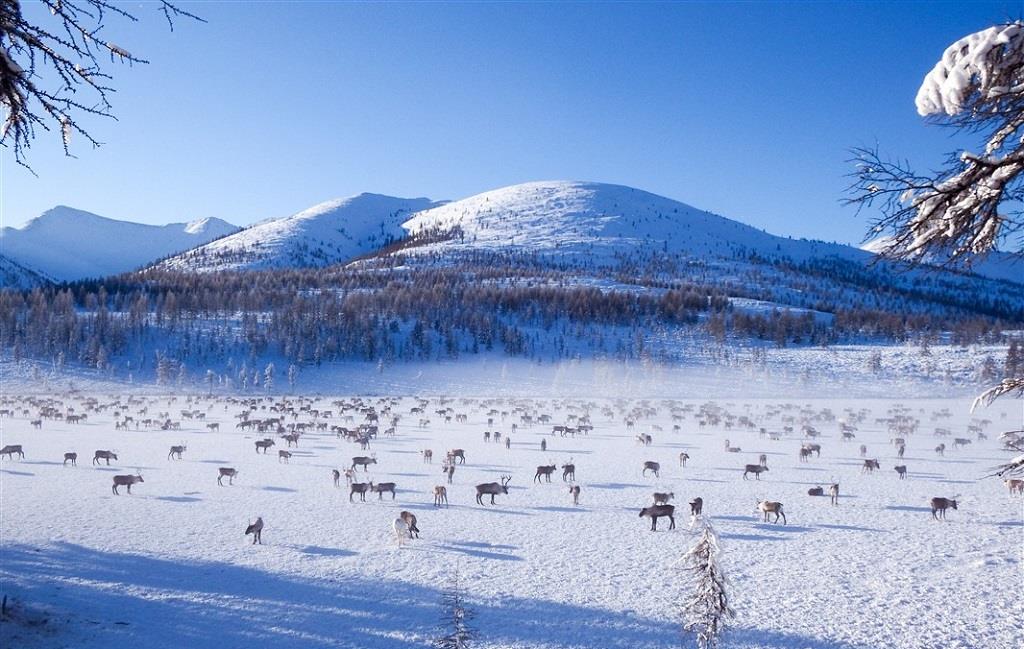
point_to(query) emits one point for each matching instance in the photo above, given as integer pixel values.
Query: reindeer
(381, 487)
(428, 456)
(663, 498)
(574, 491)
(284, 455)
(804, 453)
(657, 511)
(941, 449)
(256, 529)
(359, 488)
(213, 427)
(756, 469)
(125, 480)
(960, 441)
(71, 457)
(350, 475)
(457, 453)
(696, 506)
(645, 439)
(813, 448)
(226, 472)
(939, 505)
(815, 491)
(833, 493)
(545, 471)
(337, 477)
(863, 450)
(364, 462)
(176, 451)
(763, 460)
(869, 466)
(103, 455)
(37, 423)
(1015, 485)
(543, 445)
(652, 466)
(902, 471)
(292, 438)
(11, 449)
(683, 457)
(568, 471)
(440, 495)
(264, 444)
(900, 450)
(492, 489)
(769, 507)
(410, 522)
(487, 436)
(401, 529)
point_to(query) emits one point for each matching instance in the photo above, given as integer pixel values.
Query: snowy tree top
(980, 63)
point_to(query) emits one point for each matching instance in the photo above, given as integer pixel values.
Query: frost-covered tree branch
(706, 611)
(972, 205)
(52, 75)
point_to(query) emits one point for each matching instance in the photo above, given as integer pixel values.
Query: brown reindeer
(492, 489)
(440, 495)
(544, 471)
(11, 449)
(1015, 485)
(176, 451)
(364, 462)
(683, 457)
(410, 523)
(804, 453)
(863, 450)
(568, 472)
(264, 444)
(870, 466)
(256, 529)
(337, 477)
(104, 455)
(939, 506)
(652, 466)
(815, 491)
(833, 492)
(696, 506)
(381, 487)
(900, 450)
(763, 460)
(941, 449)
(902, 471)
(756, 469)
(359, 488)
(770, 507)
(226, 472)
(457, 453)
(663, 498)
(71, 457)
(126, 481)
(428, 456)
(284, 455)
(574, 491)
(655, 512)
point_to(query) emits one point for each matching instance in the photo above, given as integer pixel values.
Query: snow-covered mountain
(15, 275)
(325, 234)
(599, 223)
(68, 244)
(995, 265)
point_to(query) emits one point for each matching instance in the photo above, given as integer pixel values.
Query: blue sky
(744, 109)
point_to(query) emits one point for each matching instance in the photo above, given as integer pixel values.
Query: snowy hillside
(69, 244)
(996, 265)
(600, 222)
(325, 234)
(15, 275)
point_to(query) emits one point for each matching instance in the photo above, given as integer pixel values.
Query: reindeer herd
(358, 421)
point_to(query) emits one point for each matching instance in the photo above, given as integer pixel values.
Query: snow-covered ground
(168, 566)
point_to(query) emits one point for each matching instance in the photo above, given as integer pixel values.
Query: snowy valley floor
(168, 566)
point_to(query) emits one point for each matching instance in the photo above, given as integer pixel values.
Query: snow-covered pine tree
(268, 377)
(706, 610)
(454, 629)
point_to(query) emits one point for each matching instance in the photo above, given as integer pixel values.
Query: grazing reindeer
(813, 448)
(863, 450)
(226, 472)
(543, 445)
(256, 529)
(756, 469)
(939, 505)
(449, 470)
(568, 471)
(37, 423)
(763, 460)
(440, 495)
(652, 466)
(815, 491)
(364, 462)
(696, 506)
(401, 529)
(663, 498)
(960, 441)
(769, 507)
(410, 522)
(264, 444)
(804, 453)
(176, 451)
(359, 488)
(657, 511)
(492, 489)
(71, 457)
(869, 466)
(1014, 485)
(487, 436)
(575, 492)
(284, 455)
(900, 450)
(103, 455)
(833, 492)
(941, 449)
(125, 480)
(11, 449)
(508, 443)
(457, 453)
(337, 477)
(683, 457)
(902, 471)
(428, 456)
(350, 475)
(213, 427)
(381, 487)
(545, 471)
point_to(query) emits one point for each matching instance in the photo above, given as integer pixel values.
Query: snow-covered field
(168, 566)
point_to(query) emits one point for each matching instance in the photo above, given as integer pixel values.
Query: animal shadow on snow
(179, 499)
(906, 508)
(618, 485)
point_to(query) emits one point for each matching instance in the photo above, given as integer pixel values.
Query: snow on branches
(706, 611)
(971, 206)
